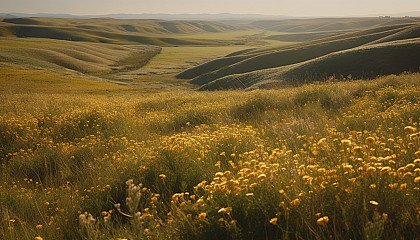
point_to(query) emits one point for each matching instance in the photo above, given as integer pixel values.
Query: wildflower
(262, 176)
(38, 238)
(323, 221)
(249, 194)
(374, 203)
(370, 140)
(162, 176)
(346, 142)
(417, 180)
(321, 142)
(281, 191)
(273, 221)
(408, 174)
(39, 226)
(107, 218)
(385, 170)
(358, 149)
(410, 129)
(371, 170)
(410, 165)
(226, 210)
(202, 216)
(295, 202)
(347, 167)
(86, 219)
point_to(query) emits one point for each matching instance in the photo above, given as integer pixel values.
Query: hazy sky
(274, 7)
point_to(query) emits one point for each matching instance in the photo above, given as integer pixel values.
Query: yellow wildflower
(273, 221)
(202, 216)
(162, 176)
(410, 129)
(323, 221)
(295, 202)
(370, 140)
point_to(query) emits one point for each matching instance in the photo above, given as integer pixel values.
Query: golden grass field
(336, 160)
(103, 141)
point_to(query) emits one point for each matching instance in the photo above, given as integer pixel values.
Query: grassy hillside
(329, 24)
(47, 65)
(363, 62)
(274, 57)
(112, 30)
(304, 37)
(214, 73)
(99, 140)
(80, 57)
(143, 26)
(335, 160)
(29, 81)
(140, 66)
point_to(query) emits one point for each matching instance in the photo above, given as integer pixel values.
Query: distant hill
(329, 24)
(206, 17)
(362, 54)
(104, 30)
(83, 57)
(359, 63)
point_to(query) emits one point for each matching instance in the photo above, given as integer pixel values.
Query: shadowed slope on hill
(78, 56)
(128, 25)
(362, 62)
(329, 24)
(270, 58)
(153, 32)
(74, 34)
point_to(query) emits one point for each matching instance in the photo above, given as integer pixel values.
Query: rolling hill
(77, 56)
(50, 65)
(362, 62)
(250, 68)
(329, 24)
(105, 30)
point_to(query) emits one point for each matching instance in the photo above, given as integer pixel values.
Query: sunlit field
(338, 160)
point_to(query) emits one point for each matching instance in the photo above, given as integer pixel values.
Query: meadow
(336, 160)
(103, 136)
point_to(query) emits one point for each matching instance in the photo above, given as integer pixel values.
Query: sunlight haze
(270, 7)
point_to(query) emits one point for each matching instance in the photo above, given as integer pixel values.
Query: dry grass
(334, 160)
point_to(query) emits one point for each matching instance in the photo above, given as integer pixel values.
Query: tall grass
(333, 160)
